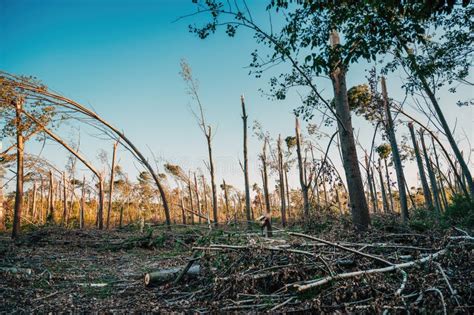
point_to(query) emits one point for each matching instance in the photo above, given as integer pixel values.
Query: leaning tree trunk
(213, 180)
(301, 167)
(397, 161)
(282, 183)
(434, 186)
(358, 203)
(441, 184)
(19, 171)
(246, 165)
(111, 184)
(447, 131)
(421, 170)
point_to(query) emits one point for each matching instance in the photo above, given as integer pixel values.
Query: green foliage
(460, 212)
(384, 150)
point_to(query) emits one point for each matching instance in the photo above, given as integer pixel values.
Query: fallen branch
(317, 283)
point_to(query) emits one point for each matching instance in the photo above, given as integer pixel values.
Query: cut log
(167, 275)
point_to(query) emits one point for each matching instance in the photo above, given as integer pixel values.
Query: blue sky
(121, 57)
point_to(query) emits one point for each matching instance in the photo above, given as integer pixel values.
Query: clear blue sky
(121, 57)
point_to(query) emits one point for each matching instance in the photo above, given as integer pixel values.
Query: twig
(441, 296)
(282, 304)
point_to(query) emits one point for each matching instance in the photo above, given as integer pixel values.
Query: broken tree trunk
(167, 275)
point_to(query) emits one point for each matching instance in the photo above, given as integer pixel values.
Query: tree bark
(50, 216)
(421, 170)
(34, 205)
(111, 184)
(371, 188)
(198, 200)
(434, 186)
(65, 212)
(301, 170)
(191, 203)
(389, 187)
(397, 161)
(358, 203)
(281, 182)
(213, 180)
(265, 178)
(246, 165)
(226, 198)
(83, 203)
(382, 189)
(19, 171)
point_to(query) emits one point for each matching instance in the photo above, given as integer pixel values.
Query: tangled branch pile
(294, 271)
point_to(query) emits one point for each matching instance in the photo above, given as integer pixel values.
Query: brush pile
(299, 272)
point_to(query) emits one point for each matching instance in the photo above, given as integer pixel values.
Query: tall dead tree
(373, 196)
(20, 153)
(386, 207)
(281, 181)
(246, 164)
(421, 169)
(65, 212)
(266, 193)
(358, 203)
(82, 209)
(111, 184)
(50, 215)
(226, 197)
(192, 86)
(301, 170)
(390, 128)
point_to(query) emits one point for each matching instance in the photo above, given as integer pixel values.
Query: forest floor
(53, 269)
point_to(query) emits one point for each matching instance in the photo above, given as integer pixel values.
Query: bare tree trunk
(389, 187)
(226, 198)
(371, 188)
(434, 186)
(213, 181)
(246, 165)
(382, 189)
(33, 208)
(19, 171)
(41, 207)
(421, 170)
(198, 200)
(191, 203)
(183, 213)
(206, 205)
(441, 185)
(65, 210)
(395, 154)
(111, 184)
(265, 178)
(50, 216)
(287, 190)
(282, 182)
(358, 203)
(83, 204)
(100, 212)
(301, 170)
(326, 202)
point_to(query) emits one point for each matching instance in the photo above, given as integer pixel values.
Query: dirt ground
(54, 270)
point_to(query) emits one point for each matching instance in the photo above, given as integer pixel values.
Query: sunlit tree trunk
(34, 203)
(213, 181)
(266, 192)
(19, 171)
(65, 210)
(50, 215)
(191, 203)
(226, 198)
(358, 203)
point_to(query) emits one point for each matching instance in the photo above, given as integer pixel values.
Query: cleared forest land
(52, 269)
